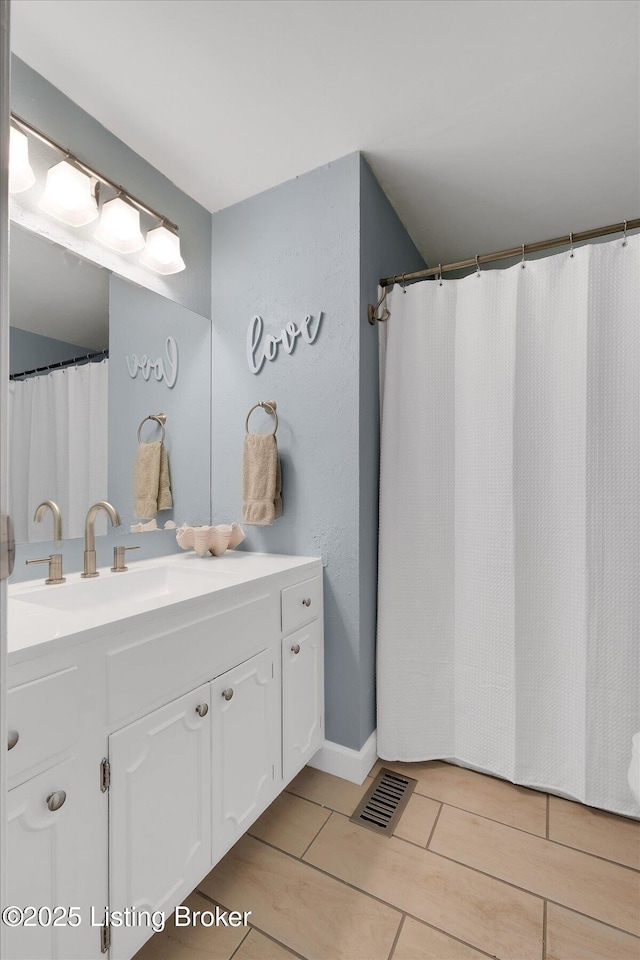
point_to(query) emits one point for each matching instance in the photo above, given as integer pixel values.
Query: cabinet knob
(202, 709)
(12, 739)
(295, 648)
(307, 602)
(228, 693)
(56, 799)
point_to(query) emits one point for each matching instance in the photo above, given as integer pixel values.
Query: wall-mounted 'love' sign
(164, 368)
(260, 349)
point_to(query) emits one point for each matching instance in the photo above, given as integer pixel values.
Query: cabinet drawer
(301, 603)
(44, 715)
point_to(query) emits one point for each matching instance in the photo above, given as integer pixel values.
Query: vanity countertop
(42, 617)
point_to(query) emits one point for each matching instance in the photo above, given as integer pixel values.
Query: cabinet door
(302, 697)
(44, 857)
(159, 812)
(245, 729)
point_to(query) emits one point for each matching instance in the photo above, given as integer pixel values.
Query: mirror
(66, 314)
(58, 407)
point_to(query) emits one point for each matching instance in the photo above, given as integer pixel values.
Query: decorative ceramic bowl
(214, 540)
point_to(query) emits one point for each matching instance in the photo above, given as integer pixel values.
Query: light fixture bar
(29, 128)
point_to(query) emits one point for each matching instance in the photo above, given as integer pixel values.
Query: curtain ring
(440, 275)
(403, 284)
(571, 245)
(477, 265)
(624, 239)
(522, 263)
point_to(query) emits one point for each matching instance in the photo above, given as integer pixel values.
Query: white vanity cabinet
(302, 673)
(42, 719)
(159, 811)
(55, 816)
(246, 746)
(302, 697)
(42, 863)
(203, 712)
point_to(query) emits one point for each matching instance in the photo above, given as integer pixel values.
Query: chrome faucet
(57, 516)
(90, 534)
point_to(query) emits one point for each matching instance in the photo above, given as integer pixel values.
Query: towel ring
(270, 407)
(160, 418)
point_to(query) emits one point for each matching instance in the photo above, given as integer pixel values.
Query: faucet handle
(55, 567)
(118, 559)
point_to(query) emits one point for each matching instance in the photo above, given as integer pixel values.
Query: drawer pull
(307, 602)
(295, 648)
(56, 799)
(228, 693)
(202, 709)
(12, 739)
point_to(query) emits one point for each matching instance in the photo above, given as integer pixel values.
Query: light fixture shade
(162, 252)
(67, 195)
(21, 176)
(119, 227)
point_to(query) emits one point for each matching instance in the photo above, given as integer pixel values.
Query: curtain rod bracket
(372, 311)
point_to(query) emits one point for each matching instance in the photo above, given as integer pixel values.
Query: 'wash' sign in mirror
(163, 368)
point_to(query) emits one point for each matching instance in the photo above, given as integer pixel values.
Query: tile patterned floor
(476, 868)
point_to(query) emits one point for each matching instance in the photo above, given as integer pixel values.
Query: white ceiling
(489, 123)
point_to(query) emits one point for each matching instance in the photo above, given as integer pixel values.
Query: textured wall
(294, 250)
(291, 251)
(42, 104)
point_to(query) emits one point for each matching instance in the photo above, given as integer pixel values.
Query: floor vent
(383, 803)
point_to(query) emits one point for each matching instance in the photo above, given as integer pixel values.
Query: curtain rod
(521, 251)
(87, 357)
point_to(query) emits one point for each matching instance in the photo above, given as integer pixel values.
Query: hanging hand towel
(152, 489)
(165, 500)
(261, 480)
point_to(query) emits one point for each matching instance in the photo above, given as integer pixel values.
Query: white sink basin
(129, 592)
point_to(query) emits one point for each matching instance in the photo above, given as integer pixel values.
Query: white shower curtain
(58, 443)
(509, 590)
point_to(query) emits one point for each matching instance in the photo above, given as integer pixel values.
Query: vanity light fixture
(21, 176)
(119, 226)
(162, 251)
(68, 195)
(72, 194)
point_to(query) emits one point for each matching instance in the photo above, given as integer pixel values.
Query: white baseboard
(343, 762)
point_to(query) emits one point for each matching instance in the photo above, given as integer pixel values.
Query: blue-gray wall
(42, 104)
(318, 242)
(30, 350)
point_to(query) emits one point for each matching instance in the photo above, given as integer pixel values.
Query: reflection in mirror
(59, 339)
